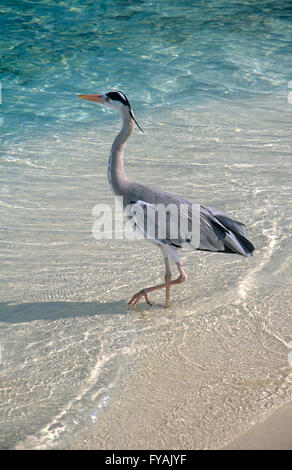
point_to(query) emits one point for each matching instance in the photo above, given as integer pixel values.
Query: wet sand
(274, 433)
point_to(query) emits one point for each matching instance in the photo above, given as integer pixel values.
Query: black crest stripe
(118, 96)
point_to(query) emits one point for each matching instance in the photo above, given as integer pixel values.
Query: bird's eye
(107, 99)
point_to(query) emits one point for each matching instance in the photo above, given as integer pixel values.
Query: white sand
(275, 433)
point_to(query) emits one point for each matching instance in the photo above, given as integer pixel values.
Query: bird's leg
(167, 280)
(143, 292)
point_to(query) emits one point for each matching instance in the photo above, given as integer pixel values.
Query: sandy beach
(274, 433)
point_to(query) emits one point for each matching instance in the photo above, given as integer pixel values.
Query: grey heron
(217, 231)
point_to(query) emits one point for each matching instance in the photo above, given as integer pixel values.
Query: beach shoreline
(274, 433)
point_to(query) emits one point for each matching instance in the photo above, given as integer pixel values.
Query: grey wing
(142, 216)
(185, 224)
(155, 213)
(156, 222)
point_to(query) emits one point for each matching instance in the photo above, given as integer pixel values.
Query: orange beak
(96, 98)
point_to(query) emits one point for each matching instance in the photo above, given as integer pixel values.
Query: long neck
(116, 174)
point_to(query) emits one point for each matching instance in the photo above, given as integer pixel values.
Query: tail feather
(230, 232)
(229, 223)
(238, 243)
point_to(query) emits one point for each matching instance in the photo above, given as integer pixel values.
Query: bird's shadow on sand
(27, 312)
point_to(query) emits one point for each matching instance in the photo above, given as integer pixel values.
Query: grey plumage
(218, 232)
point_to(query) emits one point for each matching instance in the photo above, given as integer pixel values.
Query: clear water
(159, 53)
(209, 84)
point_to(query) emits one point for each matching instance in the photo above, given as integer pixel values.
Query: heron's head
(114, 100)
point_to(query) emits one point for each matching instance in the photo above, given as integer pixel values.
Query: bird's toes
(137, 297)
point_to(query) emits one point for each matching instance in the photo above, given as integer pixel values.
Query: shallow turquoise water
(158, 53)
(208, 83)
